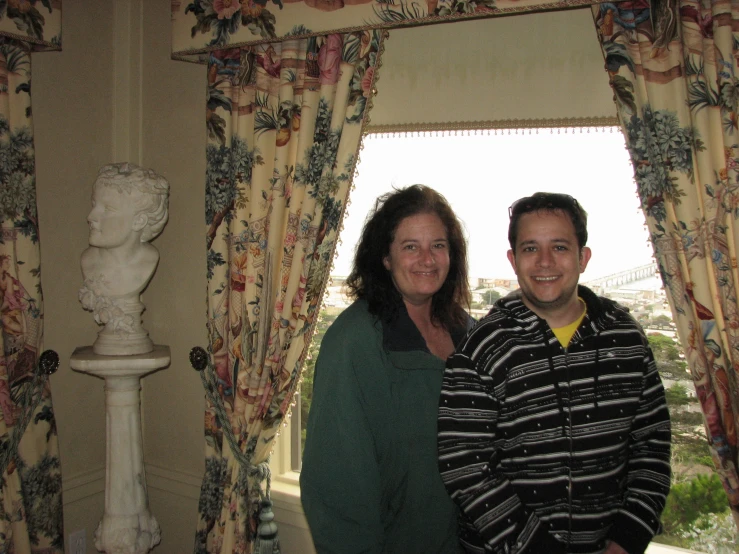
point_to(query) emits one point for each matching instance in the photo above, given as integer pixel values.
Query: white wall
(71, 96)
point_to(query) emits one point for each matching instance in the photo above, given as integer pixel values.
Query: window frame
(287, 451)
(285, 459)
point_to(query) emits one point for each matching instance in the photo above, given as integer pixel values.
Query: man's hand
(614, 548)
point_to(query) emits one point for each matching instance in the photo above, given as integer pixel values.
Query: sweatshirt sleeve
(648, 479)
(339, 479)
(468, 463)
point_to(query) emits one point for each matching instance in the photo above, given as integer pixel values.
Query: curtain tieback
(267, 541)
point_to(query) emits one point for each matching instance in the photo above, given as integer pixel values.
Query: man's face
(111, 219)
(548, 263)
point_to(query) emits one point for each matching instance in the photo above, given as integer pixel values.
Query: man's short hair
(548, 201)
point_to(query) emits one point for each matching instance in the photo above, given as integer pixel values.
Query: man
(554, 434)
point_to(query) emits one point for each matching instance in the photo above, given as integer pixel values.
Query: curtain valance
(37, 23)
(200, 26)
(426, 70)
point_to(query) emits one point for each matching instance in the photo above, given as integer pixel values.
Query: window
(482, 173)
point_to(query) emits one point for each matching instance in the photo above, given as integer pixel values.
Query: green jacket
(369, 480)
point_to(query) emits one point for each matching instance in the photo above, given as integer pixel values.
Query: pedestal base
(127, 534)
(127, 526)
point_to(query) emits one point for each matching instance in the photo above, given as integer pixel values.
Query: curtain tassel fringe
(266, 542)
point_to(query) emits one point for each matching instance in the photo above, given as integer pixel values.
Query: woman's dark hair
(370, 280)
(548, 201)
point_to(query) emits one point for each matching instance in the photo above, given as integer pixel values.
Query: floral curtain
(284, 125)
(200, 26)
(31, 485)
(673, 70)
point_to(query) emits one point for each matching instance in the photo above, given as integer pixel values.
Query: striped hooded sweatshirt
(548, 449)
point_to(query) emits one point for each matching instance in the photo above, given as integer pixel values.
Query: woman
(369, 480)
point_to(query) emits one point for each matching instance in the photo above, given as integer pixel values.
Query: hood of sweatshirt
(601, 312)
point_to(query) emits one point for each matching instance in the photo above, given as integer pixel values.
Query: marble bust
(129, 209)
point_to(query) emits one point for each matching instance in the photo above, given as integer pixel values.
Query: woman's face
(419, 257)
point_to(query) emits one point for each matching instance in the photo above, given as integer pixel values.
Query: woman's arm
(340, 479)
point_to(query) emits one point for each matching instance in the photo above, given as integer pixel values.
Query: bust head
(129, 203)
(129, 209)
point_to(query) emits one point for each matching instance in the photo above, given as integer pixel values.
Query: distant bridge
(624, 277)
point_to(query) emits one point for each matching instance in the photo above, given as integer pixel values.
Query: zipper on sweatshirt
(569, 439)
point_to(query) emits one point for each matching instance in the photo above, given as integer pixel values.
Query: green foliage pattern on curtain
(284, 125)
(673, 70)
(31, 484)
(38, 23)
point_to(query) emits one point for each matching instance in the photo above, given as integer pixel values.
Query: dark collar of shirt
(401, 334)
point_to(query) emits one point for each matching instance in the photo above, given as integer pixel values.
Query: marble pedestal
(127, 526)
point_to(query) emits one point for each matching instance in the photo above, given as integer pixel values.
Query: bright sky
(481, 175)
